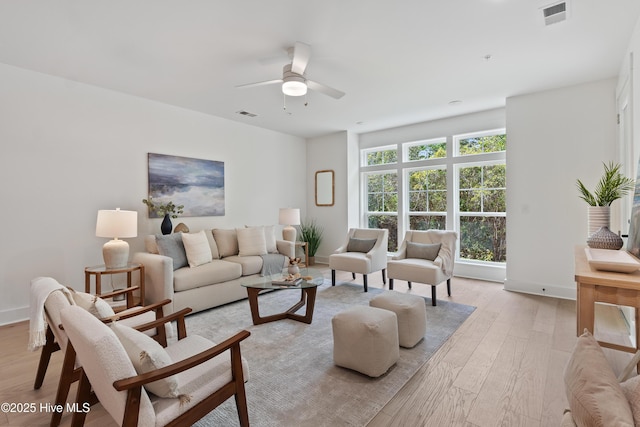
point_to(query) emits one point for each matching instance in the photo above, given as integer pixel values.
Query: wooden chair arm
(119, 292)
(177, 316)
(183, 365)
(139, 310)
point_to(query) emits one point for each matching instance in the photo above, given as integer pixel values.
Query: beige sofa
(209, 268)
(596, 397)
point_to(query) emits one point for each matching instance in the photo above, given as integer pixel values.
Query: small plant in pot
(164, 210)
(611, 186)
(311, 233)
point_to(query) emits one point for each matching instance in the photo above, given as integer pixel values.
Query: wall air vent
(246, 113)
(555, 13)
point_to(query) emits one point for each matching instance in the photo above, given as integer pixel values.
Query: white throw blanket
(41, 288)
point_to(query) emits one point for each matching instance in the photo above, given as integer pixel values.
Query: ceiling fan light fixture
(294, 86)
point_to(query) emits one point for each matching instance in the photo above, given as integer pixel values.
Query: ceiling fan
(294, 82)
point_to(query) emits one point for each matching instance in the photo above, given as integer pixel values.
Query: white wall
(328, 152)
(71, 149)
(554, 138)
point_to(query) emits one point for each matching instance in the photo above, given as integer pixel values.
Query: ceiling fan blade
(301, 55)
(268, 82)
(329, 91)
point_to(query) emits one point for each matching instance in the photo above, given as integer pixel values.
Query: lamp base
(289, 233)
(115, 253)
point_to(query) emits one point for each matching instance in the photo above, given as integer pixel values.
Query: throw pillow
(93, 304)
(251, 241)
(197, 248)
(631, 389)
(171, 245)
(147, 355)
(269, 236)
(594, 394)
(427, 251)
(360, 245)
(227, 241)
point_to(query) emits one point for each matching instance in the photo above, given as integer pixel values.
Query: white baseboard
(540, 289)
(15, 315)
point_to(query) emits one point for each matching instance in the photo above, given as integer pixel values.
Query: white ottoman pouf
(365, 339)
(411, 313)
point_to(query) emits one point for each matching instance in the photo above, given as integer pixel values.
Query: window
(382, 204)
(421, 150)
(381, 156)
(456, 182)
(486, 142)
(427, 199)
(482, 205)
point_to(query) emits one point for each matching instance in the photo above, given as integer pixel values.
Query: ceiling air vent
(555, 13)
(246, 113)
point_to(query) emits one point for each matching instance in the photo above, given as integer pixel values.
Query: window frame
(452, 163)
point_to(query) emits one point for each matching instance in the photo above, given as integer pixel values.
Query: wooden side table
(305, 245)
(99, 270)
(608, 287)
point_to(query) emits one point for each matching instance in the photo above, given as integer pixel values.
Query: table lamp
(289, 217)
(116, 224)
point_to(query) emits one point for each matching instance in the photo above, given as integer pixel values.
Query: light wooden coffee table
(307, 290)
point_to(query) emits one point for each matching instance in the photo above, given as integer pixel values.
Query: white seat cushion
(356, 262)
(198, 382)
(415, 270)
(216, 271)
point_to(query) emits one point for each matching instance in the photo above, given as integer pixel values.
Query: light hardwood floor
(502, 367)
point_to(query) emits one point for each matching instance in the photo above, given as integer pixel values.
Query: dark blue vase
(166, 225)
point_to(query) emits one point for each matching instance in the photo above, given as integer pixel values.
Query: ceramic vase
(598, 216)
(166, 225)
(605, 239)
(293, 269)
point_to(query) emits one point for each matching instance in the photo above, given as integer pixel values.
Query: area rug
(293, 380)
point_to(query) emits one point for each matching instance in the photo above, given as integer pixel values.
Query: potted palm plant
(612, 186)
(311, 233)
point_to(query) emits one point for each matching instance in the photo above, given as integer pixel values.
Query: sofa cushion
(171, 245)
(251, 241)
(215, 254)
(249, 264)
(428, 251)
(269, 237)
(150, 244)
(197, 248)
(594, 394)
(631, 389)
(227, 241)
(216, 271)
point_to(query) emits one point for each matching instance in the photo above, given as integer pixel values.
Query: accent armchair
(140, 383)
(425, 257)
(364, 252)
(56, 298)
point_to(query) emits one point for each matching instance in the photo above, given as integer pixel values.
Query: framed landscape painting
(195, 183)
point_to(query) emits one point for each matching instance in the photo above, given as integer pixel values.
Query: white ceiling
(399, 61)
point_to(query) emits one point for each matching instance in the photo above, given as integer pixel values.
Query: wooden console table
(608, 287)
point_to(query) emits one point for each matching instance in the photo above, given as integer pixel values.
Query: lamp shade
(117, 223)
(289, 216)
